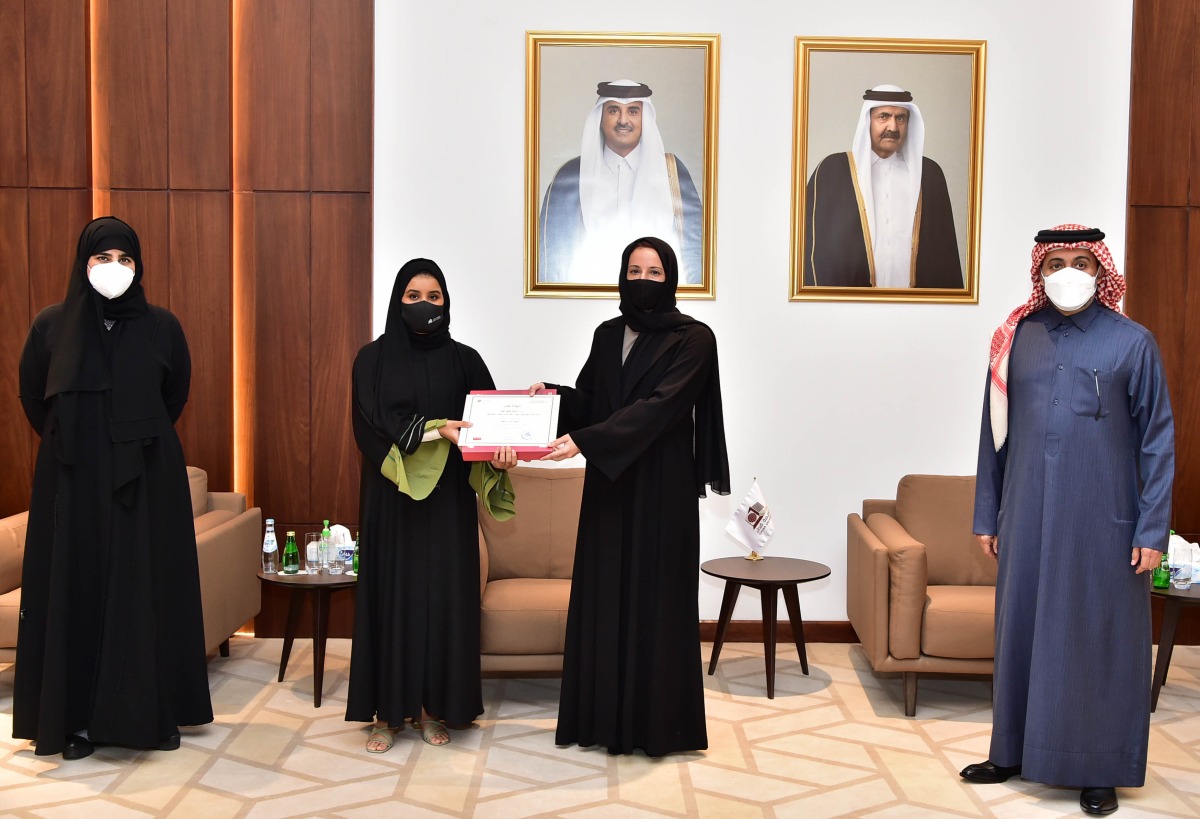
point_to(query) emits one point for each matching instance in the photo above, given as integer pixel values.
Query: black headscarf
(395, 402)
(77, 359)
(712, 460)
(664, 315)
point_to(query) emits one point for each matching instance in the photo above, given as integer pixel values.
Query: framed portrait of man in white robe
(620, 143)
(887, 160)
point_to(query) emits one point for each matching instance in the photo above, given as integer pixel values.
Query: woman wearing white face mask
(111, 639)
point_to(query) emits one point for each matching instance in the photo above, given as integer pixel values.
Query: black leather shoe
(986, 773)
(1098, 801)
(77, 747)
(171, 743)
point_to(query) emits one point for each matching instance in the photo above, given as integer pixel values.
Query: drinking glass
(312, 552)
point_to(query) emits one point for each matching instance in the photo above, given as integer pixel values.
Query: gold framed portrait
(887, 158)
(620, 143)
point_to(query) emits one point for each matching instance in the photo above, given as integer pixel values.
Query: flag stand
(753, 556)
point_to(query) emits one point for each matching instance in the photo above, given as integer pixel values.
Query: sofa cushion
(937, 510)
(12, 550)
(540, 540)
(10, 608)
(198, 481)
(960, 622)
(524, 616)
(213, 519)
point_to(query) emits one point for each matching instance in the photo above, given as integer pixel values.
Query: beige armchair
(228, 546)
(920, 593)
(525, 572)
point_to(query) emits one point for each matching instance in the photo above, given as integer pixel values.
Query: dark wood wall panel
(55, 219)
(15, 439)
(14, 167)
(129, 65)
(146, 213)
(1163, 52)
(201, 296)
(341, 324)
(283, 330)
(1163, 241)
(198, 83)
(56, 87)
(342, 95)
(273, 99)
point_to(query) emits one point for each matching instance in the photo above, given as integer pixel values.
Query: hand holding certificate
(512, 418)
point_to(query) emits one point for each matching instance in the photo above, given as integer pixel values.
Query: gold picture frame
(563, 73)
(837, 94)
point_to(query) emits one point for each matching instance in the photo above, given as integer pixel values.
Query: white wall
(855, 395)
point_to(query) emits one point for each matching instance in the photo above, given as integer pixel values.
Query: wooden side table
(1173, 602)
(318, 587)
(769, 575)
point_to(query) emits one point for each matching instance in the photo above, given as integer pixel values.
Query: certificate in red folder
(527, 423)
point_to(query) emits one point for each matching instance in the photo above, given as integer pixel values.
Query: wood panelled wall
(236, 137)
(1163, 230)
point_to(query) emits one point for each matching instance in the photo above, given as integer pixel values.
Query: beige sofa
(228, 545)
(920, 593)
(525, 573)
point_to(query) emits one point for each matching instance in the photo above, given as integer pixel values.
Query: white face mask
(110, 279)
(1070, 288)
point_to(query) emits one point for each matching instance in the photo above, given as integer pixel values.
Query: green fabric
(417, 474)
(495, 489)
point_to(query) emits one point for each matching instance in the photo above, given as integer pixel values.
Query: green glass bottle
(354, 562)
(291, 555)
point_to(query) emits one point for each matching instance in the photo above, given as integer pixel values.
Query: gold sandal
(433, 729)
(385, 735)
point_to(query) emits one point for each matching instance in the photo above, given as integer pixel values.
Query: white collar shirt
(893, 229)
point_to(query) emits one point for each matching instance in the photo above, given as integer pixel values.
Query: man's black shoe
(985, 773)
(77, 747)
(1098, 801)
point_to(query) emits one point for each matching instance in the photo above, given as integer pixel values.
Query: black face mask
(422, 316)
(644, 294)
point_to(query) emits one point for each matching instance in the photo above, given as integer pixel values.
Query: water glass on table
(312, 552)
(1181, 575)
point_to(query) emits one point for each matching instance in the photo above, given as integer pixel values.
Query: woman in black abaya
(646, 413)
(110, 644)
(416, 628)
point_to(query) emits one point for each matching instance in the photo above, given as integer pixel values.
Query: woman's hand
(536, 388)
(450, 430)
(563, 448)
(505, 458)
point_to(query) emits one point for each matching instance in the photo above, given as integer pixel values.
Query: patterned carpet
(835, 743)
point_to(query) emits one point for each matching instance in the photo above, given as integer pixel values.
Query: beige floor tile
(491, 785)
(546, 801)
(160, 776)
(852, 800)
(616, 810)
(823, 748)
(92, 809)
(810, 771)
(791, 722)
(48, 793)
(651, 784)
(876, 735)
(725, 746)
(252, 782)
(543, 768)
(709, 806)
(741, 785)
(325, 800)
(441, 776)
(198, 803)
(266, 739)
(332, 767)
(926, 780)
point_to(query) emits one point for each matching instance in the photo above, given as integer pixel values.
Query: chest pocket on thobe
(1092, 392)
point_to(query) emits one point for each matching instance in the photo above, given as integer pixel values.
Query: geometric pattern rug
(834, 743)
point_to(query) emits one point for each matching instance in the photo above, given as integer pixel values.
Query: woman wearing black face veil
(416, 626)
(111, 639)
(646, 413)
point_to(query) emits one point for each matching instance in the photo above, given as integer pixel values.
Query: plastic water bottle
(270, 554)
(326, 547)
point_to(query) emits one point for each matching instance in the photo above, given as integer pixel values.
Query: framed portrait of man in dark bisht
(620, 143)
(887, 160)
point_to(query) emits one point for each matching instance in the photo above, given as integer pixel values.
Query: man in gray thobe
(1073, 497)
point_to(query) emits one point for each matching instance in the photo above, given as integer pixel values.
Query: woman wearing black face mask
(111, 640)
(416, 629)
(646, 413)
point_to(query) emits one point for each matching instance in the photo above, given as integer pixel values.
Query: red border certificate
(527, 423)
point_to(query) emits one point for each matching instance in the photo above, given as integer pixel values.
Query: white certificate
(514, 418)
